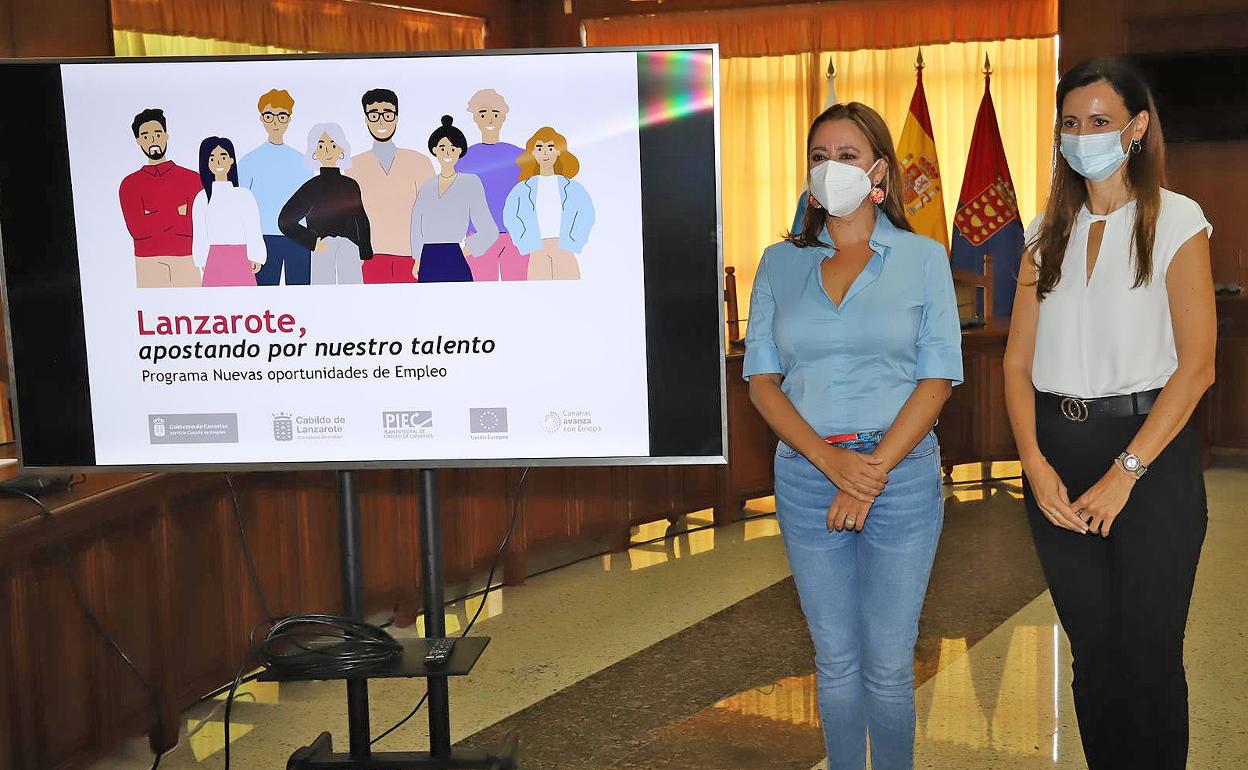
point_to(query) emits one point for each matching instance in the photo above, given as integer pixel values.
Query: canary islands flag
(920, 171)
(987, 219)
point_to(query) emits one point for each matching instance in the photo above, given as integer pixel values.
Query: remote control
(439, 651)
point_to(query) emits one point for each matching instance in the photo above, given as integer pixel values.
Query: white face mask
(1095, 156)
(839, 187)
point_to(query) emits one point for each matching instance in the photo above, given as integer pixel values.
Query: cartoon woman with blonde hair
(548, 214)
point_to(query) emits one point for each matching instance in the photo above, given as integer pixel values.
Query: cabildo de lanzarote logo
(305, 427)
(283, 428)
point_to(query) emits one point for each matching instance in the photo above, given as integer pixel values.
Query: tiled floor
(690, 652)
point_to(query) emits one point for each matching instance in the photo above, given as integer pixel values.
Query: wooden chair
(976, 281)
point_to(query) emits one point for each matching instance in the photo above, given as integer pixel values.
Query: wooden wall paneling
(387, 510)
(490, 516)
(59, 653)
(1091, 29)
(277, 506)
(699, 487)
(1215, 175)
(475, 506)
(957, 420)
(316, 504)
(1214, 30)
(73, 28)
(7, 760)
(751, 448)
(515, 557)
(596, 495)
(262, 514)
(619, 535)
(205, 627)
(6, 49)
(10, 692)
(547, 512)
(25, 747)
(1229, 395)
(1145, 8)
(237, 605)
(995, 421)
(122, 568)
(651, 493)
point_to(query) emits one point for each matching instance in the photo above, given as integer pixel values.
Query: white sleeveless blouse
(1101, 337)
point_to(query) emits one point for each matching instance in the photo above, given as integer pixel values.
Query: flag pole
(830, 97)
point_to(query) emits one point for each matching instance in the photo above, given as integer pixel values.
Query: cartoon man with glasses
(389, 178)
(273, 172)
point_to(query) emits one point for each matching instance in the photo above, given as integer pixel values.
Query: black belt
(1083, 409)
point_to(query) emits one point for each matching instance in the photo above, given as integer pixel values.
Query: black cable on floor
(92, 619)
(489, 586)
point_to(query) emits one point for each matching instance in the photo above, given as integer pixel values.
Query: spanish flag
(920, 171)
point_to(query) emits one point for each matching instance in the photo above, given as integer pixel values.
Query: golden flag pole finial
(987, 65)
(831, 70)
(918, 61)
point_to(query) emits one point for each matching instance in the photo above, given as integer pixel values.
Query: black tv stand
(320, 754)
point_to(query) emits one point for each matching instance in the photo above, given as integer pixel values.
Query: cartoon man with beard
(156, 203)
(389, 177)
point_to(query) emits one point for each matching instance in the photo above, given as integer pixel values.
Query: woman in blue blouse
(852, 349)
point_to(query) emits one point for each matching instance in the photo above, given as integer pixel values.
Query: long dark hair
(1146, 173)
(876, 130)
(205, 150)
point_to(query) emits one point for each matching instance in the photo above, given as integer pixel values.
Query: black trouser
(1123, 600)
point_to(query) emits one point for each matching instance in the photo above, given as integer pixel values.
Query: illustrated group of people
(853, 348)
(487, 212)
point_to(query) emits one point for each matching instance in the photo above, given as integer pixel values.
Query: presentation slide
(379, 260)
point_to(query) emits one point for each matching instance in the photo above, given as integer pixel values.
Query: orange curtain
(302, 25)
(846, 25)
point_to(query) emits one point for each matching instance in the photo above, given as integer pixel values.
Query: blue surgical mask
(1095, 156)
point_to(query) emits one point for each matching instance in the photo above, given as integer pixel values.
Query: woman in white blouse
(1111, 347)
(227, 243)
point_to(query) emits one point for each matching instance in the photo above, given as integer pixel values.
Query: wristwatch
(1131, 464)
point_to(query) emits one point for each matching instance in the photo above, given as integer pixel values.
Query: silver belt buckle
(1074, 409)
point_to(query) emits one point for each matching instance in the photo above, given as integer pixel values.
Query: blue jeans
(283, 251)
(861, 593)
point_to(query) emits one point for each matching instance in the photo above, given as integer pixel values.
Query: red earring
(813, 202)
(877, 195)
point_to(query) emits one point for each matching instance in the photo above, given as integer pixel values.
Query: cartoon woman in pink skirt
(227, 243)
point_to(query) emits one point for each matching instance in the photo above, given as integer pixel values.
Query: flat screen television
(423, 260)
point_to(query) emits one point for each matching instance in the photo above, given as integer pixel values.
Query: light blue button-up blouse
(851, 368)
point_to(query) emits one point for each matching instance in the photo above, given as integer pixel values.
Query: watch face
(1131, 463)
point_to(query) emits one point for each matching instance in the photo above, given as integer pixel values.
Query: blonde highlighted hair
(566, 165)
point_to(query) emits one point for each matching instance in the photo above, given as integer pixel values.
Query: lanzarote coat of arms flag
(987, 219)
